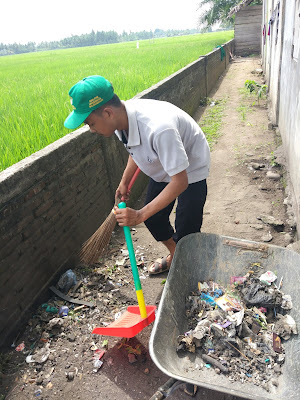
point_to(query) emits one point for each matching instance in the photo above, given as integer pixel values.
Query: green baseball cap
(86, 96)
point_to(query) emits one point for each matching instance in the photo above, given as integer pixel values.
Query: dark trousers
(189, 211)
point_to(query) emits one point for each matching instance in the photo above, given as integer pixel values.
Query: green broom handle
(135, 273)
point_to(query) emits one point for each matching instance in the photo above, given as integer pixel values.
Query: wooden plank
(243, 45)
(248, 31)
(248, 15)
(247, 43)
(247, 46)
(254, 20)
(246, 35)
(238, 42)
(240, 17)
(247, 39)
(249, 23)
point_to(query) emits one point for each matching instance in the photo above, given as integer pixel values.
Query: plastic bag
(257, 293)
(268, 277)
(66, 281)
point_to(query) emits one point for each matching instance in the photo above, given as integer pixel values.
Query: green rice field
(34, 87)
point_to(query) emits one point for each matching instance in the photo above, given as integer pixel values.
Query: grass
(34, 87)
(211, 121)
(245, 107)
(243, 110)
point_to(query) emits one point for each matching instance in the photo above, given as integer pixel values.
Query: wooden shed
(247, 28)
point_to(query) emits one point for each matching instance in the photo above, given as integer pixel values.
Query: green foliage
(273, 162)
(90, 39)
(218, 11)
(211, 121)
(258, 89)
(34, 87)
(243, 109)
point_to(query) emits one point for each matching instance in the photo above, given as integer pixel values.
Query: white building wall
(281, 63)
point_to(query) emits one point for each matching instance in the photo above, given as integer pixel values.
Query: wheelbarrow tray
(200, 257)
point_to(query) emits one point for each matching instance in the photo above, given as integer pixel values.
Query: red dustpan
(135, 318)
(129, 324)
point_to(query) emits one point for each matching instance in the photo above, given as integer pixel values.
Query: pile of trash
(239, 330)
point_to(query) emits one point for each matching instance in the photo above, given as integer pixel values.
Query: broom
(95, 246)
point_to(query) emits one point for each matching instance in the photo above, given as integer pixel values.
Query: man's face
(102, 124)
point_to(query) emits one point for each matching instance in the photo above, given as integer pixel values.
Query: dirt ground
(239, 193)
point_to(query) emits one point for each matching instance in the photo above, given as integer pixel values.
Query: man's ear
(107, 112)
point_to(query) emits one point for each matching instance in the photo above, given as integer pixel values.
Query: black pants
(189, 211)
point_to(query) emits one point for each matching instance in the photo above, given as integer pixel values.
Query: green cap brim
(74, 120)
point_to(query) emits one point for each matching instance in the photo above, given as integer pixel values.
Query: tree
(88, 39)
(216, 11)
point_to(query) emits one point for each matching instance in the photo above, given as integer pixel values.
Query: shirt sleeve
(170, 150)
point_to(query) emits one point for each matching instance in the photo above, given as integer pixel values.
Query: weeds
(276, 203)
(273, 162)
(258, 89)
(243, 109)
(283, 182)
(211, 121)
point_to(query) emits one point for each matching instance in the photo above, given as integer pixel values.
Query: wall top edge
(180, 71)
(28, 161)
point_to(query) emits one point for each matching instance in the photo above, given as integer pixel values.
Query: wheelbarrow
(200, 257)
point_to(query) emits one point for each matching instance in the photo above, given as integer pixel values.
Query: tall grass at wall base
(211, 121)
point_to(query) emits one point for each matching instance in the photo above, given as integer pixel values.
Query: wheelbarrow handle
(170, 386)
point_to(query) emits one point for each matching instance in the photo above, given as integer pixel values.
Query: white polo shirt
(163, 140)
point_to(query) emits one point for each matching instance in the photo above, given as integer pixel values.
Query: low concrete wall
(52, 201)
(188, 86)
(247, 30)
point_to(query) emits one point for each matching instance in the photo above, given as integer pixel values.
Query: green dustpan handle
(135, 273)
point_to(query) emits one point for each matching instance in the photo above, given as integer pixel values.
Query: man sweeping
(165, 143)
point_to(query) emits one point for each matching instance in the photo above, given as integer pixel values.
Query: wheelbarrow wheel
(170, 386)
(190, 389)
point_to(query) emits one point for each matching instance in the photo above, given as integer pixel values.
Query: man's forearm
(129, 171)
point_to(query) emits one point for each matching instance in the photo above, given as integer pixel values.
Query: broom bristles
(96, 245)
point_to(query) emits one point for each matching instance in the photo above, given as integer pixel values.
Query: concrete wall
(188, 86)
(247, 31)
(282, 67)
(54, 200)
(51, 202)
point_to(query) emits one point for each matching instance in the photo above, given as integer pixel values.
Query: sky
(23, 21)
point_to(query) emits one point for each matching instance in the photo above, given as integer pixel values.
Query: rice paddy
(34, 87)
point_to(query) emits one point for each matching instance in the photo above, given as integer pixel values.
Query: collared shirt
(163, 140)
